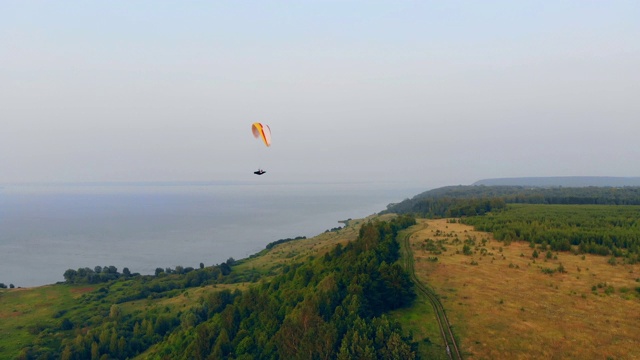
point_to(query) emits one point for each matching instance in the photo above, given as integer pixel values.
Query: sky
(419, 92)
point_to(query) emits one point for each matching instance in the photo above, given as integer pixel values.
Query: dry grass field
(503, 305)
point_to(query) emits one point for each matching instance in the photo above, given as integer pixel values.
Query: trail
(445, 327)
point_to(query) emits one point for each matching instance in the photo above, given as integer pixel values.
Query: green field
(25, 312)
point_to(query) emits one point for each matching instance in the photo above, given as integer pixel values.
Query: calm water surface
(45, 230)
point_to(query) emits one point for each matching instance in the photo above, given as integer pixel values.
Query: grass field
(420, 321)
(24, 311)
(505, 304)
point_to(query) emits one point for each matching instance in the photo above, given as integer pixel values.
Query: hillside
(564, 181)
(325, 297)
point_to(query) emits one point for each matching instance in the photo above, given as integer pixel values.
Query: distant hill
(467, 200)
(565, 181)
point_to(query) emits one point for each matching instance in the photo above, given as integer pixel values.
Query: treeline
(602, 230)
(329, 307)
(195, 277)
(282, 241)
(165, 283)
(453, 201)
(96, 275)
(449, 207)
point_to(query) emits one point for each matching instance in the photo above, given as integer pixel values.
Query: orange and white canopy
(261, 131)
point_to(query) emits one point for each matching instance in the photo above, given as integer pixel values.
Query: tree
(126, 272)
(561, 269)
(66, 353)
(115, 312)
(397, 349)
(95, 351)
(535, 254)
(202, 343)
(222, 346)
(66, 324)
(356, 346)
(70, 275)
(163, 324)
(305, 335)
(225, 268)
(113, 343)
(397, 289)
(122, 346)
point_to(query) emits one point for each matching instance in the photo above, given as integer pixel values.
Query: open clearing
(503, 305)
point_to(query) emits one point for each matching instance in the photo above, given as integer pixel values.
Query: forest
(454, 201)
(330, 306)
(594, 229)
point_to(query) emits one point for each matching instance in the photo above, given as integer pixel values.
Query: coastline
(49, 231)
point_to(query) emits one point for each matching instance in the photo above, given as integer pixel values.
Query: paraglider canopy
(263, 132)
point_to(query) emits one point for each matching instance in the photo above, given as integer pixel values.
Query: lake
(47, 229)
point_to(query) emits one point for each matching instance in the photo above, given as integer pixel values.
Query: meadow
(504, 303)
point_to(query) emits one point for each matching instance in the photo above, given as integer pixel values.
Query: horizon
(170, 183)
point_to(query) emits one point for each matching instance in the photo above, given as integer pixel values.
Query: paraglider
(261, 131)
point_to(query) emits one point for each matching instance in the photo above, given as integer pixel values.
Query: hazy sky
(424, 92)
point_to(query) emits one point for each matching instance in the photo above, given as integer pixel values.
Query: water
(45, 230)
